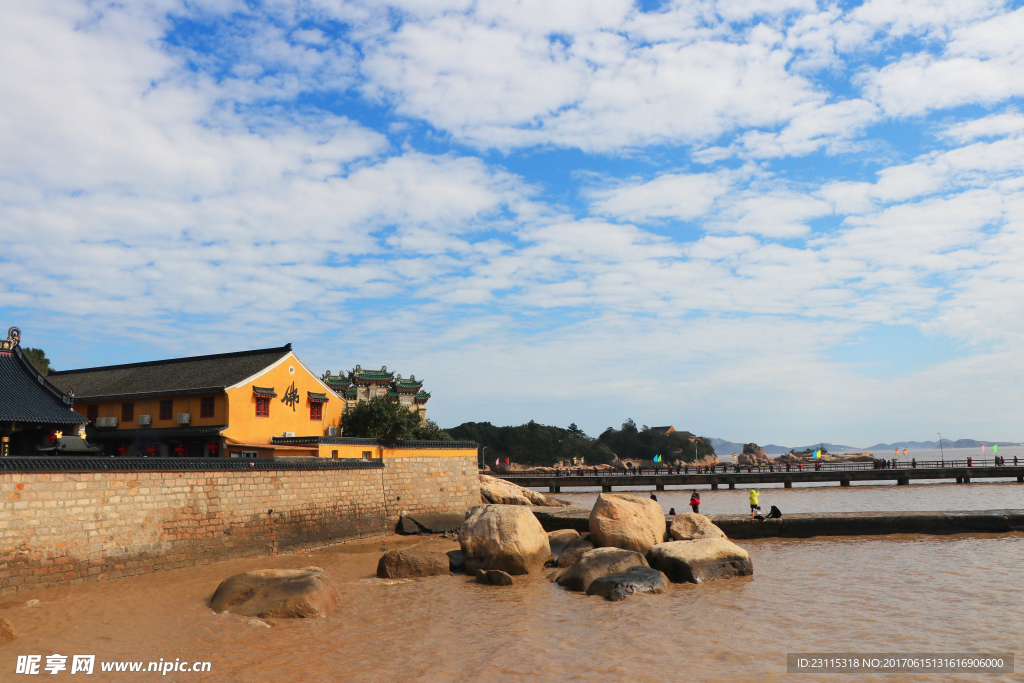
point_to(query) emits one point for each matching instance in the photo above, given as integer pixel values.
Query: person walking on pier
(695, 502)
(753, 502)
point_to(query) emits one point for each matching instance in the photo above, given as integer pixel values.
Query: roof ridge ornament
(13, 339)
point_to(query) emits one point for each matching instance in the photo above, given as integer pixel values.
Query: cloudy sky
(786, 221)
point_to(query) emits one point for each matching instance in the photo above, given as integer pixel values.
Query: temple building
(223, 405)
(362, 385)
(35, 414)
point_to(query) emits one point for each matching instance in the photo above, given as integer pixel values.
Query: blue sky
(783, 222)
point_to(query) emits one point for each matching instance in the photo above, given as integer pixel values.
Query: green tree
(628, 442)
(533, 443)
(39, 359)
(429, 431)
(382, 417)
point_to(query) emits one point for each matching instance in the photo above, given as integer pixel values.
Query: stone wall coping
(99, 464)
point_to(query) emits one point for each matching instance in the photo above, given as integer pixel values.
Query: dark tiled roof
(27, 396)
(313, 396)
(264, 391)
(155, 434)
(196, 375)
(71, 445)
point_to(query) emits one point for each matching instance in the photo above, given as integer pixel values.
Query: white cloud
(682, 196)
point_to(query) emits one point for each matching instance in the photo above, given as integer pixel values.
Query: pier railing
(727, 468)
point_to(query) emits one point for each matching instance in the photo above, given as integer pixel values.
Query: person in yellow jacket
(753, 502)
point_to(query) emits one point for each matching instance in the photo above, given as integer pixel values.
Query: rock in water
(598, 563)
(505, 537)
(501, 492)
(456, 562)
(689, 526)
(702, 560)
(494, 577)
(406, 563)
(559, 541)
(635, 580)
(497, 577)
(7, 631)
(280, 593)
(622, 520)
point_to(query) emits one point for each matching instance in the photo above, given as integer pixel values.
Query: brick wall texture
(64, 528)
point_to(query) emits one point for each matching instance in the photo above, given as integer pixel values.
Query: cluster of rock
(808, 456)
(628, 550)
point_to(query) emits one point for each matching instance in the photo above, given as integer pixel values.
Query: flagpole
(943, 453)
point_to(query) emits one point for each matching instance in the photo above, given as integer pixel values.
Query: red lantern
(212, 448)
(51, 438)
(179, 451)
(121, 449)
(152, 451)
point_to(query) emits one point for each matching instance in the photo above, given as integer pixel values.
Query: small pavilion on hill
(34, 413)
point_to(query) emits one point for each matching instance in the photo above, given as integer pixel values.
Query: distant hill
(723, 447)
(946, 443)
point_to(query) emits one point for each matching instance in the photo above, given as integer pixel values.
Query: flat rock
(279, 593)
(438, 522)
(504, 537)
(622, 520)
(408, 563)
(7, 631)
(636, 580)
(705, 559)
(406, 525)
(598, 563)
(559, 541)
(501, 492)
(689, 526)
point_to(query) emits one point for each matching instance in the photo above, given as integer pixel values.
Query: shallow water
(863, 497)
(900, 594)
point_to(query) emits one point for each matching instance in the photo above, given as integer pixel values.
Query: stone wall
(67, 527)
(430, 484)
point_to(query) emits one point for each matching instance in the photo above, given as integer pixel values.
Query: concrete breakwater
(807, 525)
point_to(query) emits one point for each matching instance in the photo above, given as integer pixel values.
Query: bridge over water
(844, 473)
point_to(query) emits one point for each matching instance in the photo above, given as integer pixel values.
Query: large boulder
(559, 541)
(752, 455)
(689, 526)
(407, 563)
(702, 560)
(504, 537)
(7, 631)
(623, 520)
(280, 593)
(598, 563)
(501, 492)
(635, 580)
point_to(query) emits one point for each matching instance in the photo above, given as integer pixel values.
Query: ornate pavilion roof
(346, 385)
(26, 395)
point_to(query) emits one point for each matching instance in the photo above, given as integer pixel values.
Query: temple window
(127, 412)
(262, 406)
(206, 407)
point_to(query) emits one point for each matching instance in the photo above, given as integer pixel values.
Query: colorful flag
(995, 448)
